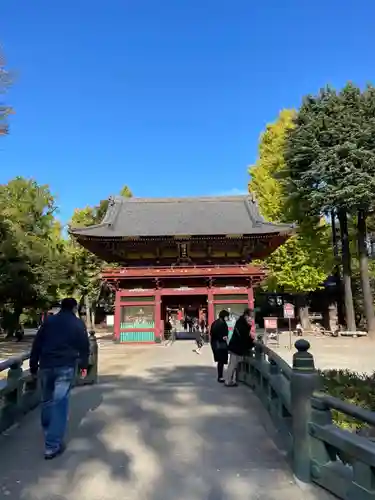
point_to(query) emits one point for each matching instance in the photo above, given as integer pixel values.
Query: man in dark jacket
(218, 341)
(240, 343)
(59, 346)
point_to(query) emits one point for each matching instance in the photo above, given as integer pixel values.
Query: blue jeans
(56, 385)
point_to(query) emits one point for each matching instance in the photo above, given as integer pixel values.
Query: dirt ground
(349, 353)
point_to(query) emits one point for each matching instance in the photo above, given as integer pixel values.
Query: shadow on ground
(169, 433)
(10, 347)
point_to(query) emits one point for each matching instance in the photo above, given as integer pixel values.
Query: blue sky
(167, 96)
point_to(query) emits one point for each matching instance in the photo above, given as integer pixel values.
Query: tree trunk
(333, 309)
(365, 280)
(14, 320)
(93, 316)
(88, 313)
(333, 317)
(330, 316)
(303, 312)
(347, 271)
(334, 237)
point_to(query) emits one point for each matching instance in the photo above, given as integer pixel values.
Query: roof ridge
(112, 212)
(181, 199)
(252, 209)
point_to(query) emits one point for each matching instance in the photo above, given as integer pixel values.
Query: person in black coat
(219, 342)
(239, 345)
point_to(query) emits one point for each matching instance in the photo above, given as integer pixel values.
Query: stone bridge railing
(340, 461)
(20, 392)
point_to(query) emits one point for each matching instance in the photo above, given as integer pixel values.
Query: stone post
(259, 354)
(304, 381)
(14, 380)
(11, 408)
(92, 372)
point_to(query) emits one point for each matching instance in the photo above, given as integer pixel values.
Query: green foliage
(358, 389)
(85, 267)
(330, 153)
(126, 192)
(264, 184)
(31, 247)
(5, 81)
(37, 265)
(330, 167)
(300, 265)
(304, 261)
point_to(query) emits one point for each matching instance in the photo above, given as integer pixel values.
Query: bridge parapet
(340, 461)
(20, 391)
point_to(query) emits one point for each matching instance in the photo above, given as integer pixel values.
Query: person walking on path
(219, 342)
(240, 343)
(199, 338)
(60, 344)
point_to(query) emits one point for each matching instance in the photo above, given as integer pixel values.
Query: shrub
(355, 388)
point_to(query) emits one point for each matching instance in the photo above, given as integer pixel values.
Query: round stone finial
(302, 345)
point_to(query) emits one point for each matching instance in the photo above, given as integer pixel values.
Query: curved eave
(84, 236)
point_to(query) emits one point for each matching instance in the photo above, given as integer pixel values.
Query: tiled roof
(200, 216)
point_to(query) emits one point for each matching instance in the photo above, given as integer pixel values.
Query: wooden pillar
(210, 307)
(250, 299)
(117, 318)
(157, 314)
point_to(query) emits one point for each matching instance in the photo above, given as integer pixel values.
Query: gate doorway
(183, 315)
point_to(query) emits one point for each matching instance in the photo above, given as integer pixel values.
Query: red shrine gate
(142, 293)
(180, 250)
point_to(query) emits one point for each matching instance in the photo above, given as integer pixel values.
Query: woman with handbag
(240, 344)
(219, 343)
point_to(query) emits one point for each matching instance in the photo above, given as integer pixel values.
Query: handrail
(350, 409)
(20, 392)
(321, 452)
(191, 266)
(281, 363)
(14, 360)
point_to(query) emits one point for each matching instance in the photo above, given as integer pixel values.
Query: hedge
(355, 388)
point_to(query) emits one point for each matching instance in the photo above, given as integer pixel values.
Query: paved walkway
(157, 427)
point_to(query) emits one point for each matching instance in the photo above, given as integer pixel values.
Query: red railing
(155, 272)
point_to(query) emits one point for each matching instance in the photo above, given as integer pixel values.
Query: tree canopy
(5, 110)
(330, 169)
(303, 263)
(264, 184)
(85, 266)
(330, 153)
(38, 264)
(30, 247)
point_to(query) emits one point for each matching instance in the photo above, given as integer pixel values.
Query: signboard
(288, 311)
(270, 323)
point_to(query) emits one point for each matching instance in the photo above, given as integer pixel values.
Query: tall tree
(85, 267)
(5, 110)
(264, 183)
(30, 248)
(302, 264)
(330, 158)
